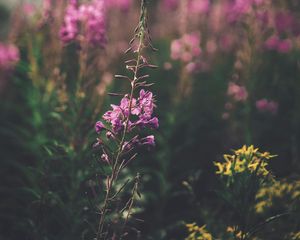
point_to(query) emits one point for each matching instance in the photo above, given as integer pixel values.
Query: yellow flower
(220, 167)
(245, 158)
(197, 233)
(228, 169)
(240, 165)
(234, 231)
(268, 194)
(228, 158)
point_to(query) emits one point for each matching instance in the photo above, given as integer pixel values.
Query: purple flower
(117, 116)
(264, 105)
(99, 126)
(153, 123)
(145, 104)
(141, 107)
(124, 105)
(137, 114)
(149, 140)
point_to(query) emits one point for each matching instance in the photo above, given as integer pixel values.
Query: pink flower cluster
(186, 48)
(141, 111)
(9, 56)
(239, 93)
(279, 45)
(29, 9)
(284, 24)
(87, 19)
(264, 105)
(69, 30)
(123, 5)
(237, 9)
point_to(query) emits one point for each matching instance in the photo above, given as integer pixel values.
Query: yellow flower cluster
(245, 158)
(197, 233)
(278, 190)
(233, 230)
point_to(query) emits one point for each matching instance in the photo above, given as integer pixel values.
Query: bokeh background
(229, 75)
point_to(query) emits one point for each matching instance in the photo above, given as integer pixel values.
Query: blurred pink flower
(47, 8)
(263, 105)
(91, 16)
(284, 21)
(284, 46)
(264, 17)
(199, 6)
(216, 16)
(191, 67)
(238, 8)
(29, 9)
(239, 93)
(241, 6)
(186, 48)
(272, 42)
(9, 56)
(69, 30)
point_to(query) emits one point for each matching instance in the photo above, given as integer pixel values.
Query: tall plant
(120, 133)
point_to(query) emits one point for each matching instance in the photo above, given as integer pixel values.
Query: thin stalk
(114, 174)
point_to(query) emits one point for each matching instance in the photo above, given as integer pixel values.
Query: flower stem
(114, 174)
